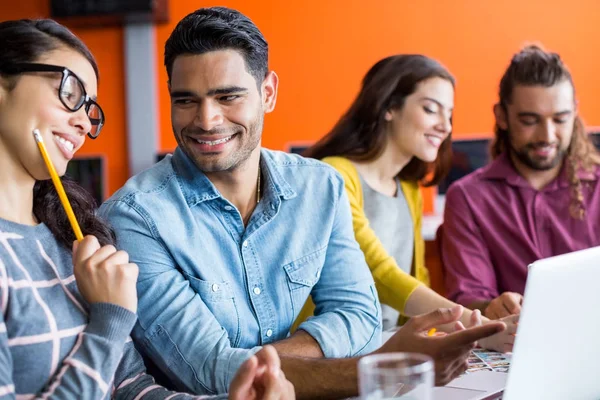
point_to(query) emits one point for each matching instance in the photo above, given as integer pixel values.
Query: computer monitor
(297, 148)
(89, 172)
(467, 156)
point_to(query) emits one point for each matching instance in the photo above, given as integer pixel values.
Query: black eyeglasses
(71, 92)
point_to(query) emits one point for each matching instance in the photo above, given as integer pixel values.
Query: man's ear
(501, 117)
(269, 91)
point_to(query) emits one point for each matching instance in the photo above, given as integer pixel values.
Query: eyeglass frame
(18, 68)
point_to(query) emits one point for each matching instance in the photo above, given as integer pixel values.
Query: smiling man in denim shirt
(231, 239)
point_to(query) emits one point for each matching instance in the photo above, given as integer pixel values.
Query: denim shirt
(212, 291)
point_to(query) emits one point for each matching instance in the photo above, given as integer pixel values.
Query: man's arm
(299, 344)
(338, 378)
(322, 378)
(346, 321)
(470, 276)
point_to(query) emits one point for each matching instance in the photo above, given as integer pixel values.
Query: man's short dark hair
(219, 28)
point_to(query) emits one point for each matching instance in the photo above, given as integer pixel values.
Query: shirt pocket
(219, 298)
(302, 275)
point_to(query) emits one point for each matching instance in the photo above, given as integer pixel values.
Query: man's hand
(508, 303)
(503, 341)
(261, 378)
(449, 351)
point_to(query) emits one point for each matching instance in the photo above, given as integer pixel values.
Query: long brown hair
(25, 41)
(533, 66)
(360, 133)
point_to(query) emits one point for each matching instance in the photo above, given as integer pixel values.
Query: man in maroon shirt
(540, 196)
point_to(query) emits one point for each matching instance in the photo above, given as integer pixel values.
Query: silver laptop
(558, 341)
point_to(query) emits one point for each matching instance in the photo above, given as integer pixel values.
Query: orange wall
(107, 46)
(321, 50)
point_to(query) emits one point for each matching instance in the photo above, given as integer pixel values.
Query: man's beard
(525, 157)
(249, 140)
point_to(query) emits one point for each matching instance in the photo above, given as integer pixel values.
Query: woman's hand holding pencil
(104, 275)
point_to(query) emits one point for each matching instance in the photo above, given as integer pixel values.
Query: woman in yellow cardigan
(396, 134)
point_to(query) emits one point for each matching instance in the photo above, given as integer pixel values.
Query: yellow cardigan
(394, 286)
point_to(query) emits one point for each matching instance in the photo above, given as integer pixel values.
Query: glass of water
(407, 376)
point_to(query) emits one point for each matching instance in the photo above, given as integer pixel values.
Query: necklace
(258, 186)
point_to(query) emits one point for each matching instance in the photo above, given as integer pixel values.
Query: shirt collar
(197, 188)
(275, 182)
(502, 168)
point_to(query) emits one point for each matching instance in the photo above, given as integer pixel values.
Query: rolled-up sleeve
(347, 314)
(470, 274)
(175, 328)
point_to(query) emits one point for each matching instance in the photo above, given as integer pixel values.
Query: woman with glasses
(394, 137)
(67, 307)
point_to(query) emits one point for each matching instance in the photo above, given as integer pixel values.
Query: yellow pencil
(431, 332)
(58, 185)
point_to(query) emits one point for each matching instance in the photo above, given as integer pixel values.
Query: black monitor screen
(89, 173)
(467, 156)
(298, 149)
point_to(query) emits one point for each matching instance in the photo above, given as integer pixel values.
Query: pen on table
(58, 185)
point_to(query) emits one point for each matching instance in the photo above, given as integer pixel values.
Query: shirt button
(215, 287)
(269, 332)
(245, 244)
(228, 208)
(256, 290)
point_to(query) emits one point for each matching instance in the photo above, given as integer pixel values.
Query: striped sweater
(52, 343)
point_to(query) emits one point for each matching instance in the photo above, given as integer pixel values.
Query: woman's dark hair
(360, 134)
(219, 28)
(25, 41)
(533, 66)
